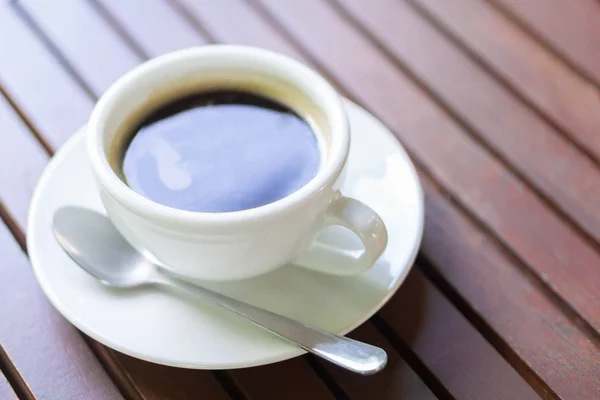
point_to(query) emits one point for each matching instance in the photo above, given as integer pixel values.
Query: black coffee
(220, 151)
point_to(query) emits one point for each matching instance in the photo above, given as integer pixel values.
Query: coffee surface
(220, 152)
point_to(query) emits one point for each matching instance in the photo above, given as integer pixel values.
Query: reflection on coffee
(219, 152)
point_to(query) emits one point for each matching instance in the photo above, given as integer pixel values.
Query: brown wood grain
(396, 381)
(522, 221)
(33, 78)
(448, 344)
(233, 21)
(153, 381)
(292, 379)
(47, 351)
(531, 331)
(558, 169)
(141, 19)
(16, 187)
(89, 44)
(565, 97)
(6, 391)
(569, 27)
(59, 354)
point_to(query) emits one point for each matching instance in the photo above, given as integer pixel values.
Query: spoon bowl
(123, 266)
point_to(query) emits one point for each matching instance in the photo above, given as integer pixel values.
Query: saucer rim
(292, 351)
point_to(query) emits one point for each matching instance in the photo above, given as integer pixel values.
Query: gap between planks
(411, 357)
(38, 32)
(504, 82)
(6, 390)
(539, 37)
(8, 369)
(103, 354)
(458, 300)
(503, 348)
(120, 30)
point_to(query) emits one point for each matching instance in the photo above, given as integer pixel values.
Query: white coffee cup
(239, 244)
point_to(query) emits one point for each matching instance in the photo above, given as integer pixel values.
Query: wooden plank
(525, 322)
(463, 360)
(6, 391)
(16, 142)
(496, 360)
(291, 380)
(60, 355)
(33, 78)
(496, 197)
(569, 27)
(558, 169)
(140, 19)
(396, 381)
(155, 381)
(232, 21)
(47, 352)
(94, 50)
(565, 97)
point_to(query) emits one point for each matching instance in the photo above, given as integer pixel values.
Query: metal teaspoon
(93, 242)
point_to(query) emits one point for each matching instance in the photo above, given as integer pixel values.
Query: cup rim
(295, 71)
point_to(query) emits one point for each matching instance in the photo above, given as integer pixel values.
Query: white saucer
(166, 329)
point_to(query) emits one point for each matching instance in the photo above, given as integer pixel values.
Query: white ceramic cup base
(160, 327)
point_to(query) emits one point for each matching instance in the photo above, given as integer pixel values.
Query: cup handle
(360, 219)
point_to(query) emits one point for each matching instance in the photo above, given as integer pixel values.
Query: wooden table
(498, 104)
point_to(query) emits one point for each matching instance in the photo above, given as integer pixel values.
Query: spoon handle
(350, 354)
